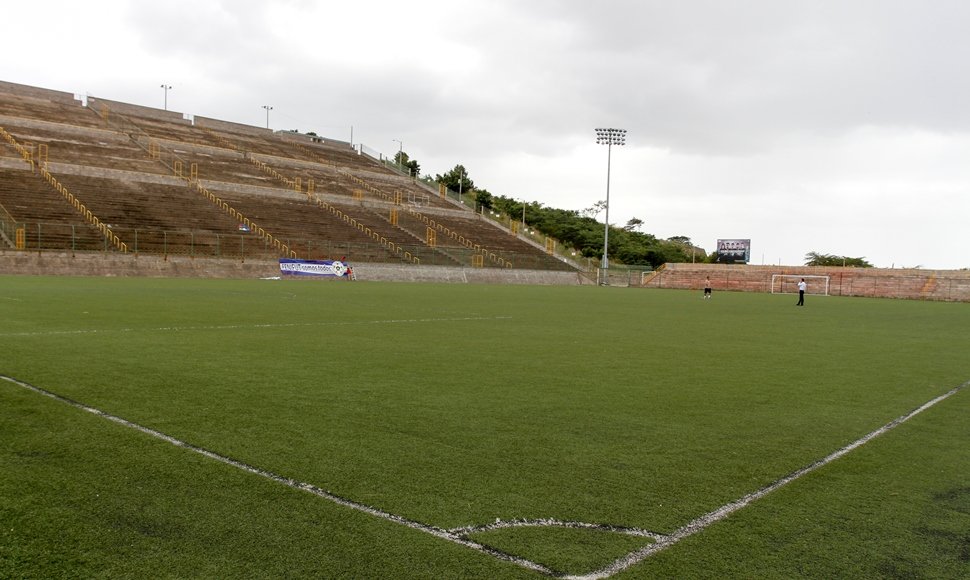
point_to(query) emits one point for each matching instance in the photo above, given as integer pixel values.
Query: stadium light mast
(268, 109)
(608, 137)
(166, 88)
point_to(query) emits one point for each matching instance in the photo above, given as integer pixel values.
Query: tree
(817, 259)
(483, 199)
(595, 209)
(402, 159)
(457, 180)
(633, 225)
(680, 240)
(579, 229)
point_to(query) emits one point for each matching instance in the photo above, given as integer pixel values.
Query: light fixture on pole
(461, 180)
(166, 88)
(608, 137)
(268, 109)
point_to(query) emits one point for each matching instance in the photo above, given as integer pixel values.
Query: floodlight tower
(166, 88)
(608, 137)
(268, 109)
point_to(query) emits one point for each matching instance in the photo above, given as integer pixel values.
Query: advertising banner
(733, 251)
(333, 268)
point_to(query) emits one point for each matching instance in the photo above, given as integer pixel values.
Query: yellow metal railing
(397, 199)
(25, 153)
(283, 248)
(143, 139)
(92, 219)
(296, 184)
(82, 209)
(220, 139)
(376, 236)
(9, 228)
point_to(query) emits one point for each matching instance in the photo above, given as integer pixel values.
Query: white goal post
(788, 284)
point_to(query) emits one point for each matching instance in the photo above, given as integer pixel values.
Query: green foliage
(581, 231)
(483, 199)
(816, 259)
(402, 159)
(457, 179)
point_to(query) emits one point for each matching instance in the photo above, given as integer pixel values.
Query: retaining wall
(14, 262)
(942, 285)
(945, 285)
(174, 117)
(36, 92)
(231, 127)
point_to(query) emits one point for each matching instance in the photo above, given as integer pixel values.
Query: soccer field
(257, 428)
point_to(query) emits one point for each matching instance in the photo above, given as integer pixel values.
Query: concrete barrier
(942, 285)
(121, 265)
(109, 264)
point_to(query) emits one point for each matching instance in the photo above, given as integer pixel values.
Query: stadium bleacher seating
(162, 183)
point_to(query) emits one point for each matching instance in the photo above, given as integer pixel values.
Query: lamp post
(268, 109)
(608, 137)
(166, 88)
(461, 181)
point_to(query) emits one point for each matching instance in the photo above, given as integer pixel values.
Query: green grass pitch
(472, 410)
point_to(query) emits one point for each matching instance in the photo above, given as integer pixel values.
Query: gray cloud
(833, 126)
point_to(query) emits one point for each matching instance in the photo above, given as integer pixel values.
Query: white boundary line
(459, 535)
(249, 326)
(292, 483)
(725, 510)
(554, 523)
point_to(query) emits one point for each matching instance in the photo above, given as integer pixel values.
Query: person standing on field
(802, 286)
(707, 288)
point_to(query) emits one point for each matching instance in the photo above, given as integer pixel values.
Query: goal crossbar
(788, 284)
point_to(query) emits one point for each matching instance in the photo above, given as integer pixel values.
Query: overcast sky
(835, 126)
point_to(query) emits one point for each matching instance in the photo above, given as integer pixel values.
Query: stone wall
(120, 265)
(231, 127)
(36, 92)
(174, 117)
(14, 262)
(945, 285)
(942, 285)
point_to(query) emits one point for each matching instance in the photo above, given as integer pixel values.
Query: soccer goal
(788, 284)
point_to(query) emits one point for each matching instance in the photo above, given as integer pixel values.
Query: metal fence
(41, 237)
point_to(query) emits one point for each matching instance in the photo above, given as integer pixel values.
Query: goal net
(788, 284)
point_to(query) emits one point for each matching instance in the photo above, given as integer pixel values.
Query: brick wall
(129, 109)
(945, 285)
(118, 265)
(36, 92)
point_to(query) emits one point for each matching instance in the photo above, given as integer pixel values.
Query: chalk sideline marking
(248, 326)
(459, 535)
(725, 510)
(554, 523)
(289, 482)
